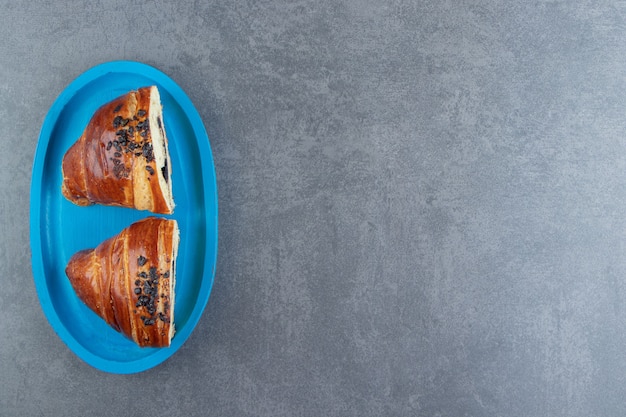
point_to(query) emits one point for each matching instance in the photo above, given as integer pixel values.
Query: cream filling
(159, 147)
(175, 242)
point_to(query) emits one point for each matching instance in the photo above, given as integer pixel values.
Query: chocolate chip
(117, 108)
(117, 121)
(137, 290)
(163, 318)
(109, 145)
(141, 261)
(141, 113)
(147, 151)
(165, 172)
(166, 274)
(119, 169)
(150, 170)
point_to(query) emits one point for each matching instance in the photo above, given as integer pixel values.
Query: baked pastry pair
(122, 159)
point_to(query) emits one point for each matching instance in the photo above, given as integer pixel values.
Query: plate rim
(36, 219)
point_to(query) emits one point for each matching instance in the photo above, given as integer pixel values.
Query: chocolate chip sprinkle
(120, 170)
(147, 151)
(142, 301)
(131, 137)
(163, 317)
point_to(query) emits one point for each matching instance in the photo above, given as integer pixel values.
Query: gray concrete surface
(421, 206)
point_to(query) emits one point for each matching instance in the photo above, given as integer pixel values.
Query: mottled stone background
(421, 206)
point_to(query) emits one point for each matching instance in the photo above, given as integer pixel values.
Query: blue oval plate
(58, 228)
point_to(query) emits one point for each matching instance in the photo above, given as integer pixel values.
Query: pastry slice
(122, 158)
(129, 280)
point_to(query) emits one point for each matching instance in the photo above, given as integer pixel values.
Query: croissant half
(129, 280)
(122, 157)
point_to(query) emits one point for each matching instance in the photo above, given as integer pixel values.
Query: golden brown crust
(126, 280)
(113, 163)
